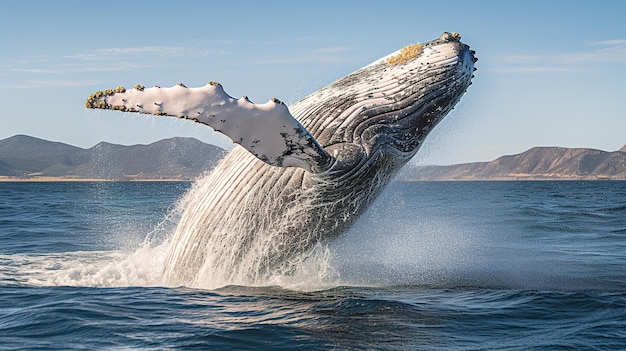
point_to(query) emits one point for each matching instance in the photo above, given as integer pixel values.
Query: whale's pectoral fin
(268, 131)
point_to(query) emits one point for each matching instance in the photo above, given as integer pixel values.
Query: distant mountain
(23, 156)
(177, 158)
(536, 163)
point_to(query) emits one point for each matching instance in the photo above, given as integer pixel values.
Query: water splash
(143, 267)
(229, 234)
(372, 253)
(443, 235)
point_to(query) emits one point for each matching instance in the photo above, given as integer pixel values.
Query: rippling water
(468, 265)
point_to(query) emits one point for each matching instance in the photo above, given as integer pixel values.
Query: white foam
(87, 268)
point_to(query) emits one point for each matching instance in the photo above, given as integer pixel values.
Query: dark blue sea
(431, 266)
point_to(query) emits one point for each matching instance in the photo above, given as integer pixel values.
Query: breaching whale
(299, 176)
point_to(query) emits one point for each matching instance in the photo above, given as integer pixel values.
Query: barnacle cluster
(406, 54)
(101, 104)
(96, 100)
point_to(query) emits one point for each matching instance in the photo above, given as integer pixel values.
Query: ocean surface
(431, 266)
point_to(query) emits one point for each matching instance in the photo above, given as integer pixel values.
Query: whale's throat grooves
(229, 235)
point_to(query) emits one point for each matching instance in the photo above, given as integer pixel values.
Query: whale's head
(389, 106)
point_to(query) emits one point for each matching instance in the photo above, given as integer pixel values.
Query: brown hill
(177, 158)
(186, 158)
(536, 163)
(25, 154)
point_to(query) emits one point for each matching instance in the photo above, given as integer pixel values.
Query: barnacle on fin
(139, 87)
(94, 103)
(100, 93)
(95, 100)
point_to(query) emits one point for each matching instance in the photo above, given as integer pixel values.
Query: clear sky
(550, 73)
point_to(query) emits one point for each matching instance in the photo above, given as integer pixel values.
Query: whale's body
(260, 213)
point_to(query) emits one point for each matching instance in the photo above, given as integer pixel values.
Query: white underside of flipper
(268, 130)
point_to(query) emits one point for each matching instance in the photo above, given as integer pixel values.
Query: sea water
(431, 266)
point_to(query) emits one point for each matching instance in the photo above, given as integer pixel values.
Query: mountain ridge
(537, 163)
(26, 157)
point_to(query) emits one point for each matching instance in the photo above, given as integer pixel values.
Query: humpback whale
(301, 175)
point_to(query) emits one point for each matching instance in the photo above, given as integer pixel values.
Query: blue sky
(550, 73)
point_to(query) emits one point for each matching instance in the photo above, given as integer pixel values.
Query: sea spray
(228, 234)
(133, 263)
